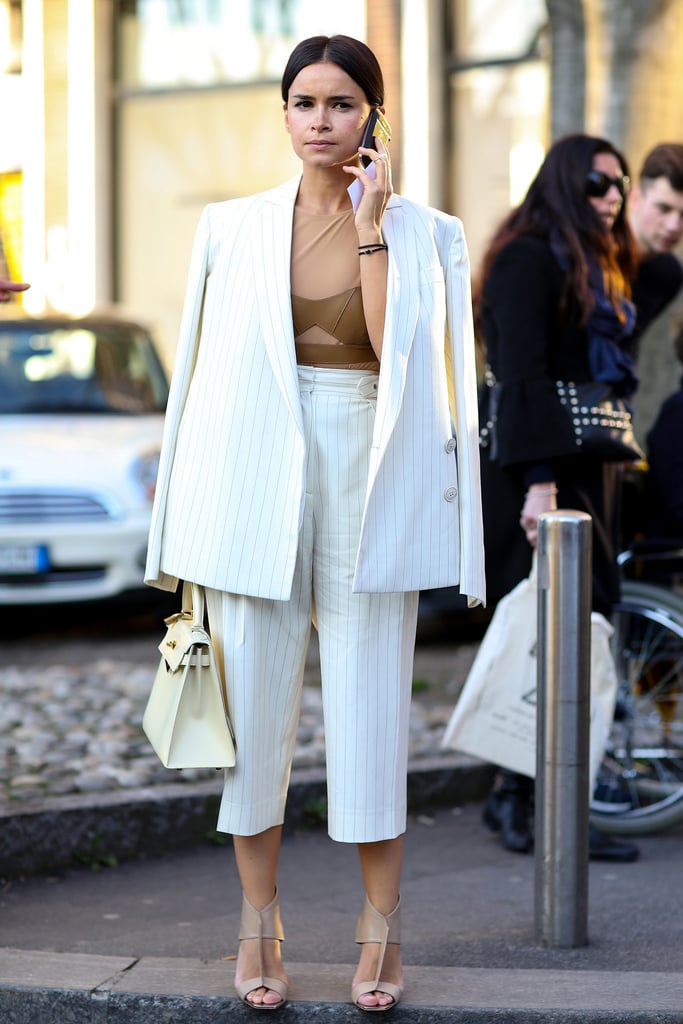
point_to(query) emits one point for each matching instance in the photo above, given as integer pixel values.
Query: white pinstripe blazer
(230, 489)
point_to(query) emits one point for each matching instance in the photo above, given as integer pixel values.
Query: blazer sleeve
(186, 355)
(461, 368)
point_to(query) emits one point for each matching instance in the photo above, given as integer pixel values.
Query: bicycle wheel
(642, 771)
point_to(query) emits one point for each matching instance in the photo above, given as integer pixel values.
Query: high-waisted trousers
(366, 643)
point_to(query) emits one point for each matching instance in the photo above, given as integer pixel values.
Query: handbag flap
(181, 636)
(602, 422)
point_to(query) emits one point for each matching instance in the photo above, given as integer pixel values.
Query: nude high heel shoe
(375, 927)
(261, 924)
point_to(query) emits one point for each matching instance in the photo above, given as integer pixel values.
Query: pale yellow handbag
(186, 719)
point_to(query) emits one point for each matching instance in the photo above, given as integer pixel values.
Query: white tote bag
(495, 716)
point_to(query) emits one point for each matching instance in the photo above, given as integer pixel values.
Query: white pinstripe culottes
(366, 644)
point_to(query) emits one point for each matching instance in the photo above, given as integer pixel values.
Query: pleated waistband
(317, 378)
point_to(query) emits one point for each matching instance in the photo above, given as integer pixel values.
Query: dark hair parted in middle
(556, 206)
(351, 55)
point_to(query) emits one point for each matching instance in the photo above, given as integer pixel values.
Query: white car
(82, 405)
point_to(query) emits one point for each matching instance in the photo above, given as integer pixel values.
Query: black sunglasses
(598, 184)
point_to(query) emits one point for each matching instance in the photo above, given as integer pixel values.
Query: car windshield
(63, 368)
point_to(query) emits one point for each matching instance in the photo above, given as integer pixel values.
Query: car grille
(51, 507)
(73, 574)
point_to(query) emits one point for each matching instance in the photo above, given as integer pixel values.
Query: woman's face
(608, 206)
(325, 114)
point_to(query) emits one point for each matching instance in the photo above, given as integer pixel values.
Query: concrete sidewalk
(153, 940)
(145, 929)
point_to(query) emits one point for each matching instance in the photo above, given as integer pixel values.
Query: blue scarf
(608, 358)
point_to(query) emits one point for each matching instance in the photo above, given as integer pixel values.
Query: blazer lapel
(401, 318)
(271, 262)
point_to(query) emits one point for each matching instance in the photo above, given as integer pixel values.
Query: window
(174, 43)
(499, 101)
(105, 368)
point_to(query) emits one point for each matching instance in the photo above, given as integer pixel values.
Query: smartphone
(377, 126)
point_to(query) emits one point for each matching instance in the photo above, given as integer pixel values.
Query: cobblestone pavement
(70, 716)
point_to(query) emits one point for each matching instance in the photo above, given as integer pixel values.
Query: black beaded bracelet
(368, 250)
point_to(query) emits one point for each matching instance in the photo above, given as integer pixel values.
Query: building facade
(127, 116)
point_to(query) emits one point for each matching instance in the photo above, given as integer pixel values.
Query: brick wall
(383, 21)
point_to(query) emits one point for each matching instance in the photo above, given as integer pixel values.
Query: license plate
(23, 559)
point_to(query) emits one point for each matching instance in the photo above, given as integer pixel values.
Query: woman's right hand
(540, 498)
(377, 191)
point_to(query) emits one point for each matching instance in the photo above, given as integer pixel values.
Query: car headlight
(145, 469)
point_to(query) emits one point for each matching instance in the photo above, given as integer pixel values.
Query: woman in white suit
(320, 464)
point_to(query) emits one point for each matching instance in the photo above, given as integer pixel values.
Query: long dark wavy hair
(556, 205)
(351, 55)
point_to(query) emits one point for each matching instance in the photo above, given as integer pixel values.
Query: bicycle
(640, 781)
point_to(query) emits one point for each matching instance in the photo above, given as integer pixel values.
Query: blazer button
(451, 493)
(450, 445)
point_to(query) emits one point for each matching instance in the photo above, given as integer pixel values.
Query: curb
(53, 988)
(107, 827)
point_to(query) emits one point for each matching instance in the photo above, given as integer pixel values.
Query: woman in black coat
(552, 304)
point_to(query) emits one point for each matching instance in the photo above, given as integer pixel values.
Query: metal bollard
(562, 729)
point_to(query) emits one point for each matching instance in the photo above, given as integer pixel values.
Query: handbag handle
(193, 603)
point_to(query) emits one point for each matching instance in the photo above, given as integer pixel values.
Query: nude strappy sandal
(261, 924)
(375, 927)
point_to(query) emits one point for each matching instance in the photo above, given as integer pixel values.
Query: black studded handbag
(489, 396)
(602, 423)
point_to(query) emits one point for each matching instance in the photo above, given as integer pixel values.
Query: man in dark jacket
(655, 214)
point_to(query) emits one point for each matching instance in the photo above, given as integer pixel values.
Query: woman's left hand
(539, 499)
(377, 191)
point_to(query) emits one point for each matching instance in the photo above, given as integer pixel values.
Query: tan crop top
(327, 306)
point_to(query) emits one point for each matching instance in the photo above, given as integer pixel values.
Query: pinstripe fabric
(412, 471)
(366, 644)
(231, 480)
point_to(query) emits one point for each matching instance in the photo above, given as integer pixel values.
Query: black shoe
(491, 813)
(510, 815)
(610, 796)
(509, 810)
(515, 824)
(603, 847)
